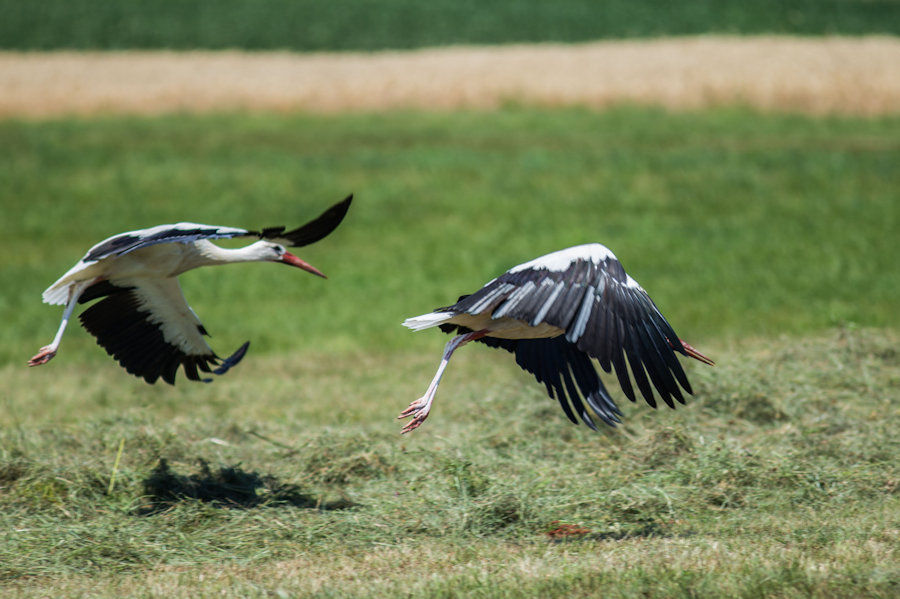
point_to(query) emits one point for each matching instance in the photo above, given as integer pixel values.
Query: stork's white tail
(56, 294)
(426, 321)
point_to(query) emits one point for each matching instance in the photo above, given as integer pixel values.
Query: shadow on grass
(229, 487)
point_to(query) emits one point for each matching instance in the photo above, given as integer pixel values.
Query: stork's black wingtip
(341, 208)
(318, 228)
(233, 359)
(586, 418)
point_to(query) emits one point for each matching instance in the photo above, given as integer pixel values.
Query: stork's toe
(43, 356)
(413, 407)
(419, 410)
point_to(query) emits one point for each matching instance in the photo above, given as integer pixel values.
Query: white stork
(556, 313)
(144, 321)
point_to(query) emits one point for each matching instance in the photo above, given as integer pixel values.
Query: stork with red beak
(143, 320)
(557, 313)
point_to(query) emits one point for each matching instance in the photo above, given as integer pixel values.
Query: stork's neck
(209, 254)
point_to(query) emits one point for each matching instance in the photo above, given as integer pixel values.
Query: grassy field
(737, 224)
(769, 242)
(369, 25)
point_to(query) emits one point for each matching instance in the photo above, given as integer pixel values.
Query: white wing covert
(119, 245)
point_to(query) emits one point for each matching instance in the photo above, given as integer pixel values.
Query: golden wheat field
(841, 75)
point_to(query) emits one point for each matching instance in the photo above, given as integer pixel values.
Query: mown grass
(780, 479)
(369, 25)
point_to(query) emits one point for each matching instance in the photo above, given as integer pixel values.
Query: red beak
(289, 258)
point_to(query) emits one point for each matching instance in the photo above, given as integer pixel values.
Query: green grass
(737, 224)
(768, 240)
(374, 25)
(780, 479)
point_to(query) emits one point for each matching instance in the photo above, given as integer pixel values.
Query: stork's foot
(42, 357)
(418, 410)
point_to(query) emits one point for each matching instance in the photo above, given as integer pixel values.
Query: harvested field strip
(826, 75)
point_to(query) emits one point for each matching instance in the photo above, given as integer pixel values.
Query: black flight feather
(314, 230)
(122, 328)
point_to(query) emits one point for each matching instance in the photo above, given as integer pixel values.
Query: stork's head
(273, 252)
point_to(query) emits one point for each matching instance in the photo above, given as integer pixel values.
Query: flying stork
(556, 313)
(143, 320)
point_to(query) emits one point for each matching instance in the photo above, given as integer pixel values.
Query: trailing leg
(48, 351)
(419, 409)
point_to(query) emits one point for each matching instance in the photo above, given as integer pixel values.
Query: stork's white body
(152, 262)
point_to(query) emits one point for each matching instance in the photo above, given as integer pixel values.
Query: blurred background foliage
(311, 25)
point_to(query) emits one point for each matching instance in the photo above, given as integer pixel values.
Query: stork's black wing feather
(126, 327)
(566, 372)
(604, 313)
(314, 230)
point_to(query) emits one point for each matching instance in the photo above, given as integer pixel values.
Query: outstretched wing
(604, 312)
(188, 232)
(312, 231)
(124, 243)
(566, 372)
(148, 327)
